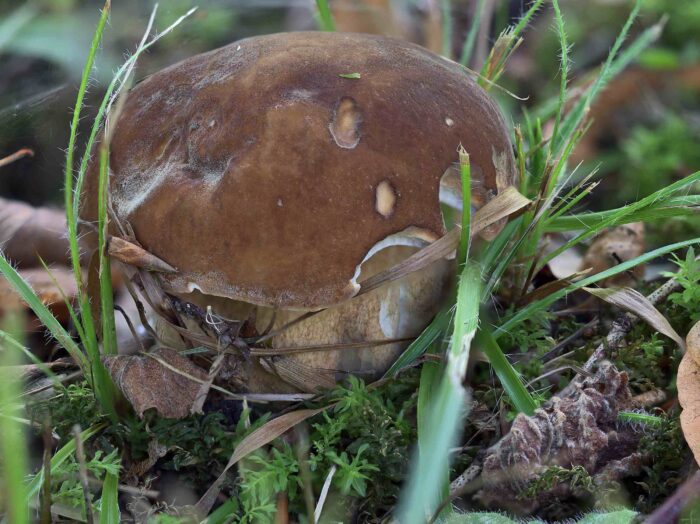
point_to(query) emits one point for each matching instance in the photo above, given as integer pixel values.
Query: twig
(324, 493)
(302, 452)
(16, 156)
(671, 510)
(621, 327)
(45, 497)
(624, 324)
(82, 470)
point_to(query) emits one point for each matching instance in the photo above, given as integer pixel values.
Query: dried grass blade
(257, 439)
(634, 302)
(505, 204)
(426, 256)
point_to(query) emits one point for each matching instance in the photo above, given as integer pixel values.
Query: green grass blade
(71, 310)
(563, 70)
(109, 502)
(70, 153)
(13, 451)
(465, 174)
(8, 342)
(447, 408)
(325, 17)
(673, 207)
(447, 25)
(109, 333)
(529, 310)
(514, 34)
(43, 313)
(623, 212)
(435, 330)
(117, 83)
(60, 457)
(506, 373)
(609, 69)
(224, 514)
(468, 47)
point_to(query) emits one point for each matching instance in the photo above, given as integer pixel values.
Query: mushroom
(279, 172)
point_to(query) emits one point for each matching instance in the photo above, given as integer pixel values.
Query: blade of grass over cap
(71, 217)
(119, 80)
(466, 177)
(109, 334)
(325, 17)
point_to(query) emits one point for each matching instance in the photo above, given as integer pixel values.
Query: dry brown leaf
(257, 439)
(613, 246)
(688, 383)
(162, 379)
(134, 255)
(634, 302)
(48, 291)
(27, 233)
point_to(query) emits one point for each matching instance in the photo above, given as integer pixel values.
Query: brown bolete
(279, 172)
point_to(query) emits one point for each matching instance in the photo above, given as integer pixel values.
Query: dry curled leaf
(135, 255)
(162, 379)
(27, 233)
(50, 288)
(634, 302)
(688, 383)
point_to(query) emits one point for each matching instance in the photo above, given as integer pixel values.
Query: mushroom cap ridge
(265, 176)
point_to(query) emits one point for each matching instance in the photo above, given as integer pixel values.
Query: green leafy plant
(688, 276)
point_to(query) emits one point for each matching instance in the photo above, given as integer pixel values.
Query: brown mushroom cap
(263, 175)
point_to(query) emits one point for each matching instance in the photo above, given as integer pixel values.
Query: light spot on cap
(385, 199)
(449, 122)
(279, 202)
(345, 126)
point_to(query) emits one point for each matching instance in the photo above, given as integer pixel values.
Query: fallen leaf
(613, 246)
(49, 288)
(634, 302)
(162, 379)
(134, 255)
(688, 383)
(27, 233)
